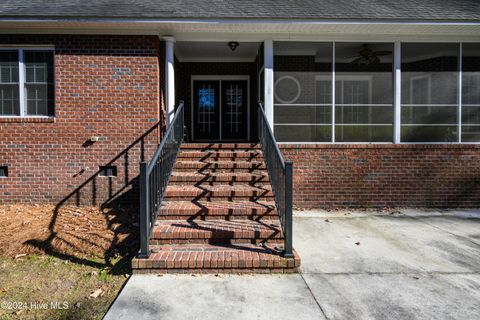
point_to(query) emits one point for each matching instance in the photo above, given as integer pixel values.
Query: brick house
(376, 104)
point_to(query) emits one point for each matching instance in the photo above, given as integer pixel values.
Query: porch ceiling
(192, 51)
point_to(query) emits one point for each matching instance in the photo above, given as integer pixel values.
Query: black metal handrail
(280, 173)
(154, 178)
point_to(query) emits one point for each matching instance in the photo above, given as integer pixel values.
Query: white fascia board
(225, 29)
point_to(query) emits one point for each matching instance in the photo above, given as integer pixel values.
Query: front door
(220, 110)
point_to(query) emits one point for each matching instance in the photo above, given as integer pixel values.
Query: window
(470, 92)
(26, 82)
(429, 107)
(3, 171)
(302, 91)
(9, 93)
(108, 171)
(363, 91)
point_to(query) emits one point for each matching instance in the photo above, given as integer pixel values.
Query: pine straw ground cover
(63, 263)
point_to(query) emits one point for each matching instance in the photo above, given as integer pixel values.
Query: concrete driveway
(405, 264)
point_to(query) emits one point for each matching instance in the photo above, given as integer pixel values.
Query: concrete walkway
(403, 265)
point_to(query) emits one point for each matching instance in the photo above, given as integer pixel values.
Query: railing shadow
(117, 198)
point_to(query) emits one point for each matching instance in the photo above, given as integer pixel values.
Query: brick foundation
(105, 86)
(385, 175)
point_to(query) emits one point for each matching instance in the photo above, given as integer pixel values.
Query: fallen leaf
(96, 293)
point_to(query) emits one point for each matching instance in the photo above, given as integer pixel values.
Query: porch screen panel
(303, 91)
(9, 86)
(429, 102)
(364, 92)
(471, 92)
(39, 88)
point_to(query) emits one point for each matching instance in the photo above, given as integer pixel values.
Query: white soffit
(222, 30)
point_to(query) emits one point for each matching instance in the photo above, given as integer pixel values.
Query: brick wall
(106, 86)
(385, 175)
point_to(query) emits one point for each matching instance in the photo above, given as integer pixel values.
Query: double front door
(220, 110)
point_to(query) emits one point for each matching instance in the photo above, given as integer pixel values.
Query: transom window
(27, 82)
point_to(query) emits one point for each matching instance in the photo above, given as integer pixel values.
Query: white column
(169, 78)
(268, 74)
(460, 84)
(397, 92)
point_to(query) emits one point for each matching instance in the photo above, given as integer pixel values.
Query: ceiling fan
(368, 56)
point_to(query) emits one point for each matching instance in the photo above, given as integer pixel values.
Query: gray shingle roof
(247, 9)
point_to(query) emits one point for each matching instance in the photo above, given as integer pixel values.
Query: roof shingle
(246, 9)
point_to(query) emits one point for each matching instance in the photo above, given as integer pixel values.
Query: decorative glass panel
(471, 92)
(39, 90)
(429, 105)
(364, 92)
(206, 108)
(234, 107)
(9, 87)
(303, 98)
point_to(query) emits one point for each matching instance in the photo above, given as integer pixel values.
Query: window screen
(39, 89)
(429, 108)
(9, 87)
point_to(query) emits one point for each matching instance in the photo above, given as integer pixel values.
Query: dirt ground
(68, 231)
(75, 257)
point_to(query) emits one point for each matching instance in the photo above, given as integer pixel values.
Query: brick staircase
(218, 215)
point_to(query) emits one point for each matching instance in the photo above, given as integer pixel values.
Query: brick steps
(246, 231)
(220, 154)
(228, 177)
(242, 191)
(252, 209)
(218, 215)
(215, 258)
(207, 164)
(220, 146)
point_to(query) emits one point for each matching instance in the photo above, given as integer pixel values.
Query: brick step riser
(195, 155)
(176, 180)
(217, 217)
(215, 241)
(218, 192)
(219, 198)
(223, 211)
(169, 258)
(216, 271)
(209, 166)
(220, 170)
(222, 146)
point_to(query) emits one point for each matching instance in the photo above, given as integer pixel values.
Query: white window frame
(21, 79)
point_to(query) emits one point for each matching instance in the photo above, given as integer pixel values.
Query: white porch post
(268, 74)
(169, 78)
(397, 92)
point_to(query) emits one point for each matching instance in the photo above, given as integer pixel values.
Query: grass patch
(45, 287)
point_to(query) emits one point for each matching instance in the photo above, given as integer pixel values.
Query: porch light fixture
(233, 45)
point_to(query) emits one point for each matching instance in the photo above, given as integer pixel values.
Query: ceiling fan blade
(381, 53)
(357, 60)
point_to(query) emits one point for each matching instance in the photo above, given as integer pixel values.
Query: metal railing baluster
(154, 178)
(281, 177)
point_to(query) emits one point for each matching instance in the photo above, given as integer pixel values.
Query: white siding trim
(397, 92)
(268, 76)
